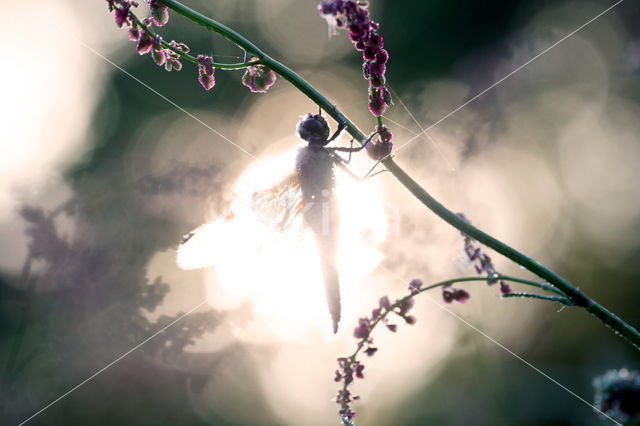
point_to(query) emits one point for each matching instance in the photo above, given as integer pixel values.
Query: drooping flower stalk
(364, 34)
(351, 368)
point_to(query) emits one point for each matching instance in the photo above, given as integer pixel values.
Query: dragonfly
(307, 191)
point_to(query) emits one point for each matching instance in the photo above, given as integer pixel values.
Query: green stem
(192, 58)
(558, 299)
(576, 296)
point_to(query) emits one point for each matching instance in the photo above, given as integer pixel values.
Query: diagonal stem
(576, 296)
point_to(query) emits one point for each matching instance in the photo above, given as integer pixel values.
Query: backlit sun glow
(277, 273)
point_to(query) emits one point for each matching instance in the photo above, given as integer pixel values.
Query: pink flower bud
(259, 78)
(159, 56)
(145, 43)
(134, 33)
(206, 72)
(159, 13)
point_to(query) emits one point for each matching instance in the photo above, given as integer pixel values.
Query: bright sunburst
(278, 273)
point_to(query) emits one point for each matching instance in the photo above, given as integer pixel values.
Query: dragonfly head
(314, 129)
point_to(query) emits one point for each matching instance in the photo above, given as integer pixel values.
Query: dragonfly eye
(314, 129)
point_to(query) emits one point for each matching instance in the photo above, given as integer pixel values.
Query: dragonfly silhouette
(309, 191)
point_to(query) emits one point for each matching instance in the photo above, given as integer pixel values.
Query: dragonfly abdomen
(315, 170)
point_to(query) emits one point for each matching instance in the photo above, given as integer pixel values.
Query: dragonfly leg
(342, 163)
(341, 126)
(351, 149)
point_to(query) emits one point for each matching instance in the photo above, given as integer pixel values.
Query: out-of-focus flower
(349, 368)
(617, 394)
(450, 294)
(258, 78)
(482, 262)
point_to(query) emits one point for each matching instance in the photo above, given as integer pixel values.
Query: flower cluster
(617, 394)
(258, 78)
(380, 148)
(140, 32)
(350, 368)
(363, 32)
(482, 262)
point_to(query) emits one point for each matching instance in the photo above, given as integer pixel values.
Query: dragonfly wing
(279, 205)
(200, 247)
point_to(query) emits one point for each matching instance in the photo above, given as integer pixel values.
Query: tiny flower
(134, 33)
(121, 14)
(206, 72)
(410, 319)
(382, 56)
(451, 294)
(159, 56)
(377, 102)
(369, 53)
(362, 330)
(405, 306)
(461, 296)
(145, 43)
(370, 351)
(381, 148)
(416, 283)
(359, 369)
(392, 327)
(159, 13)
(505, 288)
(385, 303)
(258, 78)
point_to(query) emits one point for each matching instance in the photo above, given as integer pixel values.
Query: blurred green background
(548, 161)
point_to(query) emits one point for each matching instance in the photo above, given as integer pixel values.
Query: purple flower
(378, 100)
(145, 43)
(206, 72)
(122, 16)
(381, 148)
(450, 294)
(505, 288)
(258, 78)
(405, 306)
(159, 56)
(363, 32)
(370, 351)
(415, 285)
(385, 303)
(134, 33)
(362, 330)
(410, 319)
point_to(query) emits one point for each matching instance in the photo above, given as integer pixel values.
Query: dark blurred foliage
(82, 301)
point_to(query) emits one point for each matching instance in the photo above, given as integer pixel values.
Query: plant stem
(576, 296)
(188, 57)
(558, 299)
